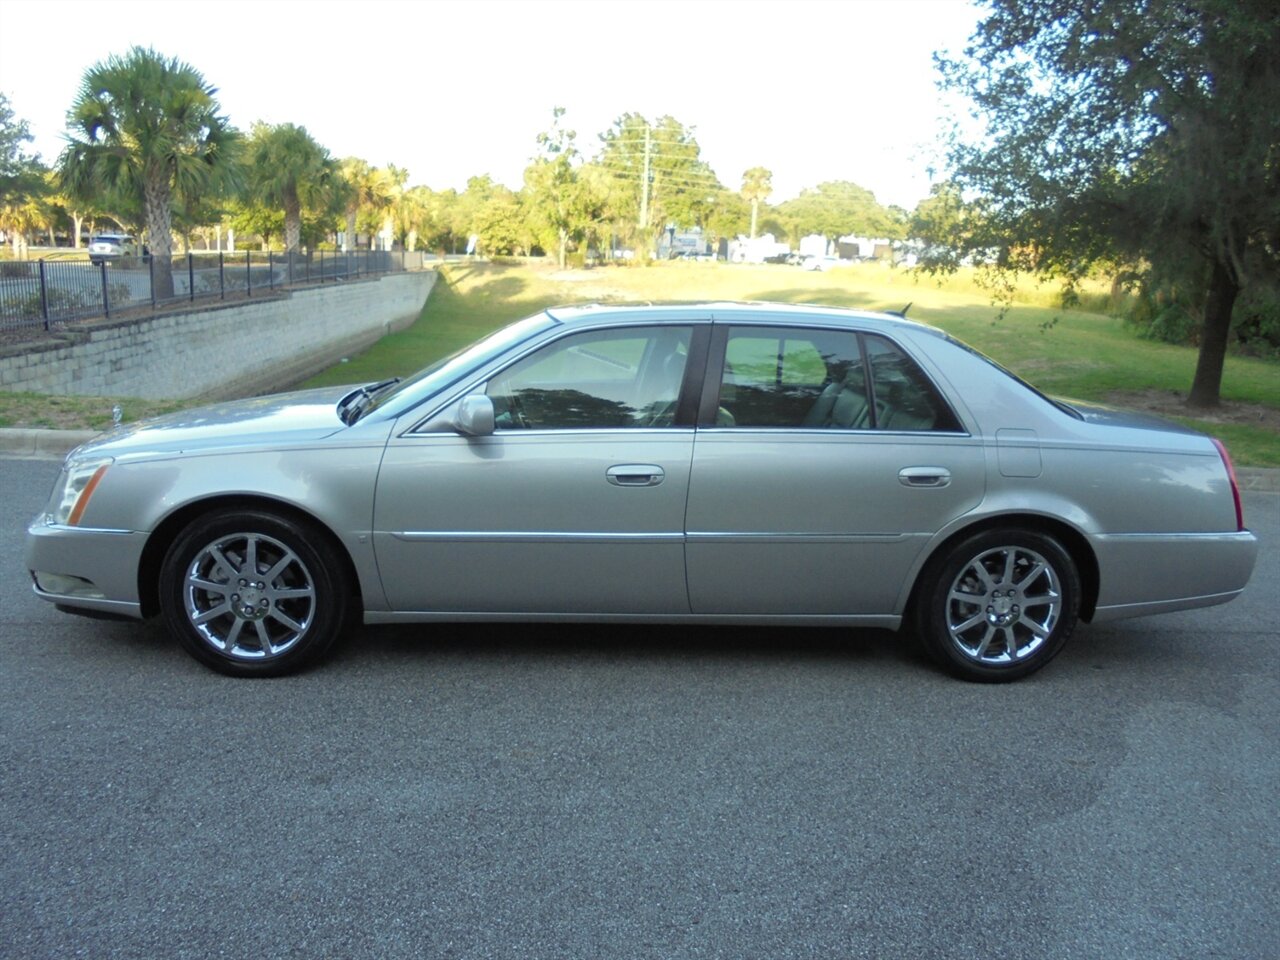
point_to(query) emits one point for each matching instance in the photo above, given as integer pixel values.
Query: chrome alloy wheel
(1003, 605)
(249, 596)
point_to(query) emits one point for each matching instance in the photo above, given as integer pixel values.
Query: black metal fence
(44, 293)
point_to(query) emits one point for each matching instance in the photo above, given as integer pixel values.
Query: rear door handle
(924, 476)
(635, 475)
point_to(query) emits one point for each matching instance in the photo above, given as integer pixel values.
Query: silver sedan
(726, 463)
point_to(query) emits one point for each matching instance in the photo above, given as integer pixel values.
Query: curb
(42, 444)
(55, 444)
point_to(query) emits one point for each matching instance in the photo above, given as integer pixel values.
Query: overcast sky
(813, 91)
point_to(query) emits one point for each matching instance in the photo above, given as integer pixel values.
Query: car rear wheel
(999, 605)
(253, 594)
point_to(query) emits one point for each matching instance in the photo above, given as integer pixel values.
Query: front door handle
(635, 475)
(924, 476)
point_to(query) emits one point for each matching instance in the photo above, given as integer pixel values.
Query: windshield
(447, 371)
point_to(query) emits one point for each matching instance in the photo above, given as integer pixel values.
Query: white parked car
(109, 246)
(819, 263)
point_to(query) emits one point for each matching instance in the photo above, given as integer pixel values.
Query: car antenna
(901, 313)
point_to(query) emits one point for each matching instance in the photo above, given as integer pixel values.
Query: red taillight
(1235, 487)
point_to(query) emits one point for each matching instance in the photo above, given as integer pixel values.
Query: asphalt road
(599, 792)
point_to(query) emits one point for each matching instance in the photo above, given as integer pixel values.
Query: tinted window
(596, 379)
(787, 377)
(774, 376)
(905, 398)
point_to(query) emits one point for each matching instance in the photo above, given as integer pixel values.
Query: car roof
(734, 311)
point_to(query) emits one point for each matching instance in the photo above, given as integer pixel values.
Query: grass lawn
(1084, 355)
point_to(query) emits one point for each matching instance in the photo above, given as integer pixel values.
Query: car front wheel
(999, 605)
(250, 593)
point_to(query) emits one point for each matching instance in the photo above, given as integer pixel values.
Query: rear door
(824, 462)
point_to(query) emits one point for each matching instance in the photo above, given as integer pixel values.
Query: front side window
(825, 379)
(599, 379)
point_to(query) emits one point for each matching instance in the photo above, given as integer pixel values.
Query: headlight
(75, 487)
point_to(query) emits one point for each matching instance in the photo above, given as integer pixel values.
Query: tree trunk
(349, 238)
(755, 209)
(79, 222)
(159, 231)
(564, 243)
(292, 223)
(1223, 290)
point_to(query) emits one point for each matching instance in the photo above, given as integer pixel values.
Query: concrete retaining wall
(227, 350)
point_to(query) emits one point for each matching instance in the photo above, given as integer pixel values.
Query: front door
(574, 505)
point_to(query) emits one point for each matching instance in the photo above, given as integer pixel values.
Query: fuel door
(1018, 452)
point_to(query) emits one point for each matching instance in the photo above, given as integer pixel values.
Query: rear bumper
(1141, 574)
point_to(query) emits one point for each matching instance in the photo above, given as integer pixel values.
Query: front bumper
(84, 568)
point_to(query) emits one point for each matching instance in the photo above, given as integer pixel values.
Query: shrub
(1256, 320)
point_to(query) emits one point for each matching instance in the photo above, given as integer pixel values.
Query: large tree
(148, 125)
(289, 170)
(838, 208)
(552, 188)
(1113, 131)
(661, 177)
(20, 173)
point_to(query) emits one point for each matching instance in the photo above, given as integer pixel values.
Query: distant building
(676, 243)
(865, 248)
(756, 249)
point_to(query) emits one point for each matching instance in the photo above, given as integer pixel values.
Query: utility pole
(644, 181)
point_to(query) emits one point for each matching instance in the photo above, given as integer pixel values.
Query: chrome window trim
(560, 332)
(856, 330)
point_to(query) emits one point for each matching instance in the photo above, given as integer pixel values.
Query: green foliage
(1136, 134)
(1257, 320)
(20, 173)
(682, 188)
(840, 208)
(147, 128)
(556, 195)
(289, 170)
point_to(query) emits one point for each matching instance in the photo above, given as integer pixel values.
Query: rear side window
(905, 398)
(773, 376)
(825, 379)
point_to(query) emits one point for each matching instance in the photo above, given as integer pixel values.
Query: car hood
(284, 418)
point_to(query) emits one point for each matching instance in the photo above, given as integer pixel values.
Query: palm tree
(757, 184)
(413, 215)
(360, 185)
(288, 169)
(148, 126)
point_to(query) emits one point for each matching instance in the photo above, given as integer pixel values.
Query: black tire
(272, 620)
(1026, 602)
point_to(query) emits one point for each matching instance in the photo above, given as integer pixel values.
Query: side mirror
(475, 416)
